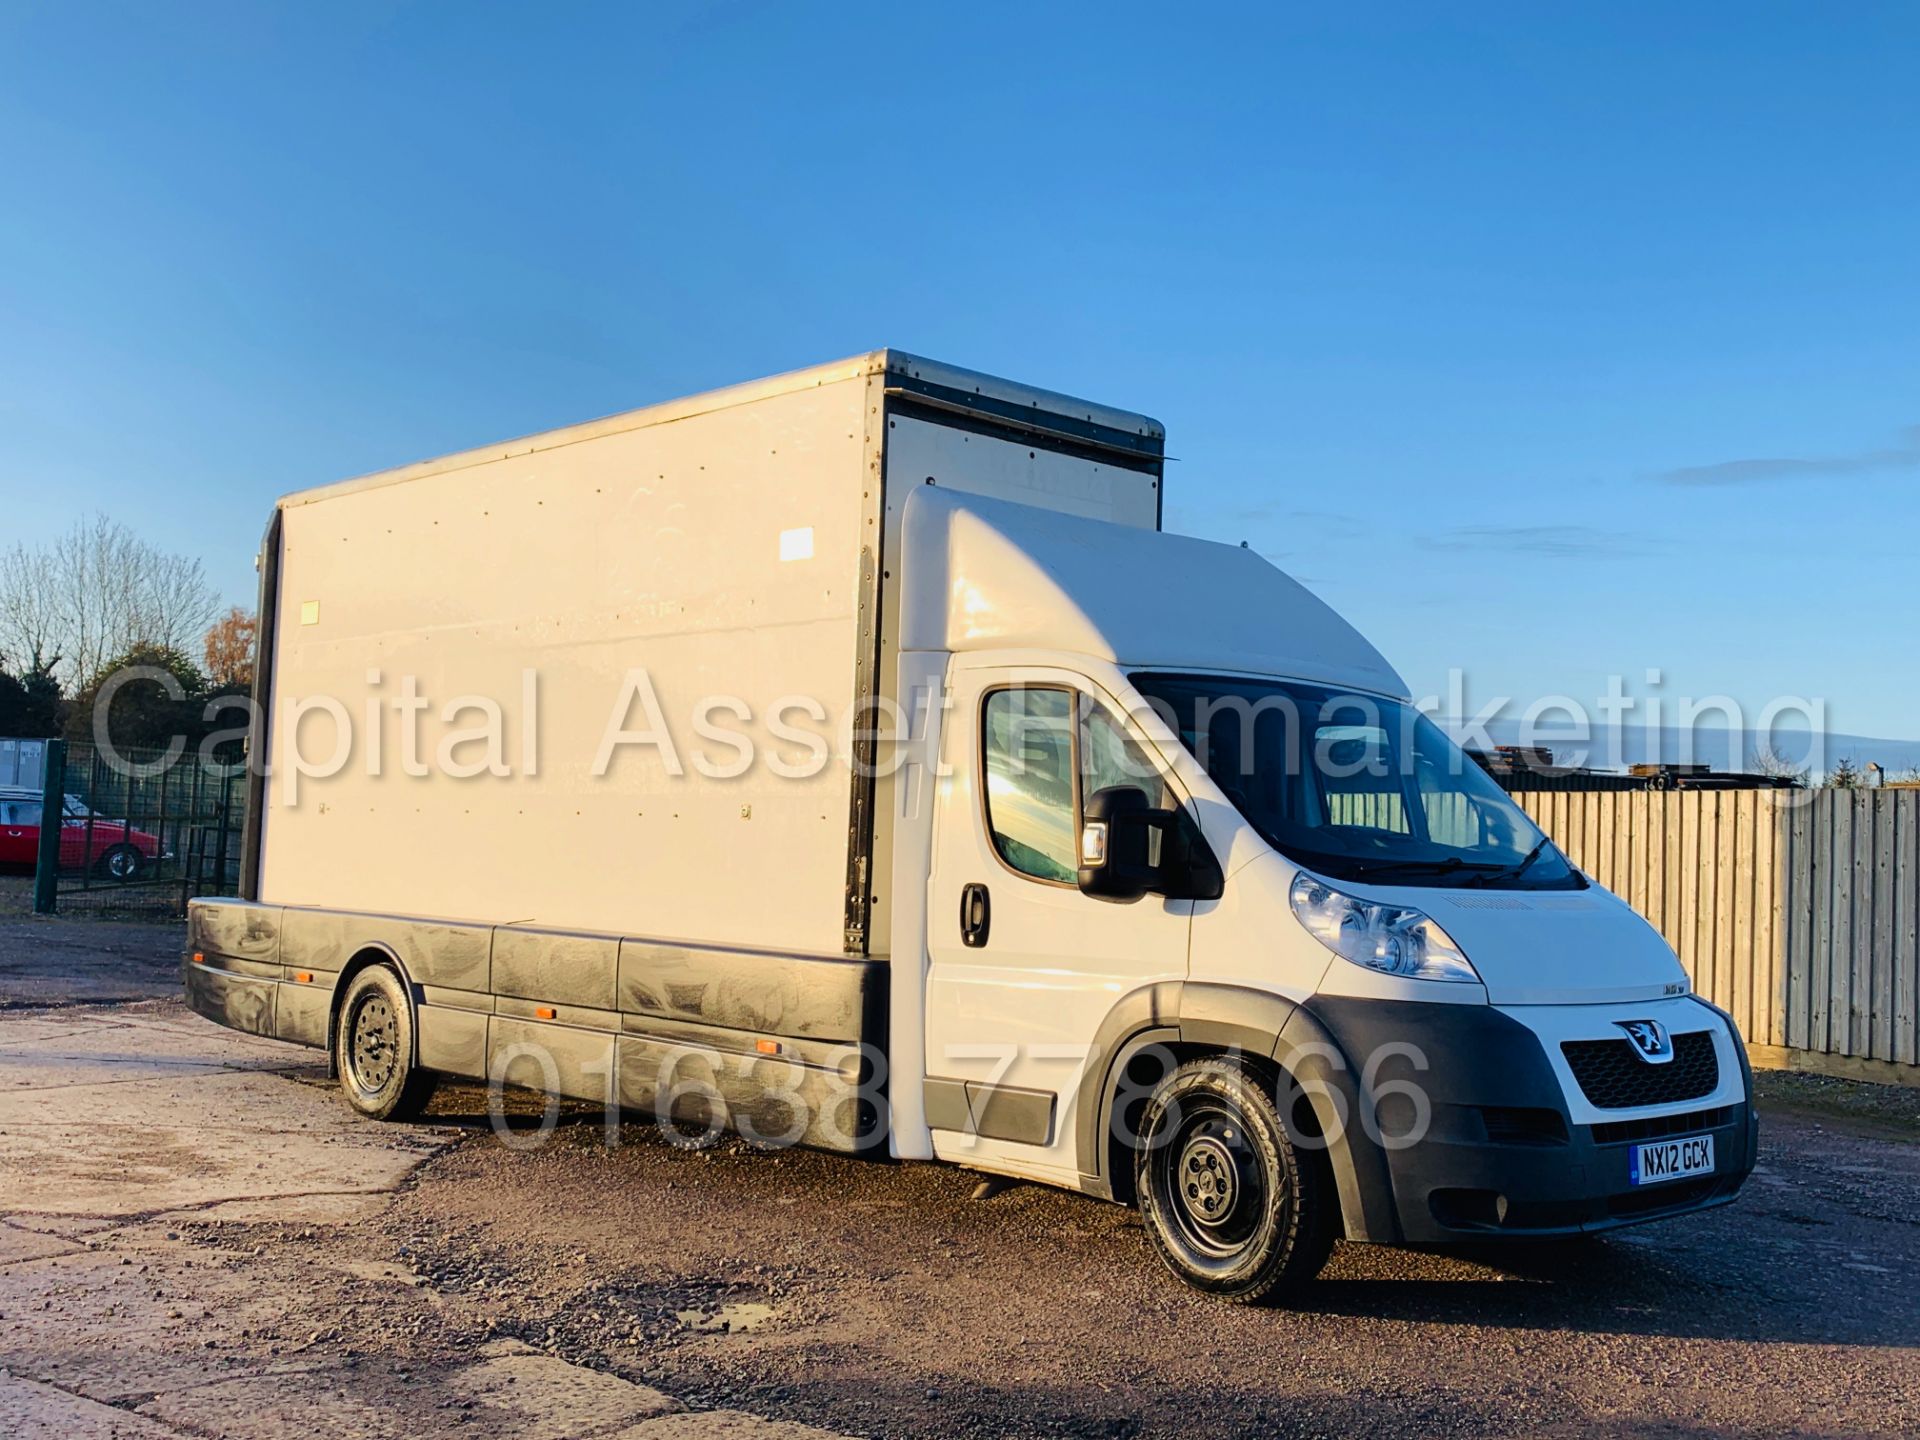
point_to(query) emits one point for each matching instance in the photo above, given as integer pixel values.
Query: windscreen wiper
(1532, 855)
(1446, 866)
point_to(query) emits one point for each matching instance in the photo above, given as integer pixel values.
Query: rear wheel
(373, 1048)
(122, 862)
(1233, 1204)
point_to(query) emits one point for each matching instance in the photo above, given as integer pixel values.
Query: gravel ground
(863, 1299)
(151, 903)
(895, 1304)
(57, 961)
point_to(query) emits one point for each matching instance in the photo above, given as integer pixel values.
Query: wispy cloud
(1561, 542)
(1286, 560)
(1332, 523)
(1903, 456)
(1292, 519)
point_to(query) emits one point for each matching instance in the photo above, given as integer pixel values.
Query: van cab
(1348, 986)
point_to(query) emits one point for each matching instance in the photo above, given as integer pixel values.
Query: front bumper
(1501, 1149)
(1455, 1186)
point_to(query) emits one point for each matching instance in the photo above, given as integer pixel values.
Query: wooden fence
(1853, 945)
(1797, 911)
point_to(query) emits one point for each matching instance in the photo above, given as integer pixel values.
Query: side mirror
(1117, 844)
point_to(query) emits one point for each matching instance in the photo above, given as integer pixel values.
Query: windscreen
(1356, 786)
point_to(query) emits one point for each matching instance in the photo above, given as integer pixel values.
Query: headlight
(1392, 939)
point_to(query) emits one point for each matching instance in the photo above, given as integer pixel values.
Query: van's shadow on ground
(1614, 1285)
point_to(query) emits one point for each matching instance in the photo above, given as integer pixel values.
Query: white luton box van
(849, 759)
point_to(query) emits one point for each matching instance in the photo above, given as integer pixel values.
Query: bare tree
(174, 604)
(96, 592)
(29, 609)
(1769, 761)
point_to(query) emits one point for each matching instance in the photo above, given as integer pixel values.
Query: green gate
(140, 832)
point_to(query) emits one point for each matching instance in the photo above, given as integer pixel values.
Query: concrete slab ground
(123, 1125)
(148, 1109)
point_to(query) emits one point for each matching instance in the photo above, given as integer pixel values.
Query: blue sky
(1544, 343)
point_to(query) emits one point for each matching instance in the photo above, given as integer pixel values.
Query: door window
(1038, 777)
(1109, 756)
(22, 812)
(1027, 738)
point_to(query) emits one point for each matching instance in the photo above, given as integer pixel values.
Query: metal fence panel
(144, 831)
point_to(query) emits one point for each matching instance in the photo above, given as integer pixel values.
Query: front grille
(1614, 1077)
(1659, 1127)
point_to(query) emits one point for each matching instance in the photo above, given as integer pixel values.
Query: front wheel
(1233, 1203)
(373, 1048)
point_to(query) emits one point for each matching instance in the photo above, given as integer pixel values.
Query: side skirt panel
(782, 1046)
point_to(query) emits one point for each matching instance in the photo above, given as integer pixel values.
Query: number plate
(1663, 1160)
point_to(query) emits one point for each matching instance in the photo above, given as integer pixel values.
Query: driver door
(1024, 968)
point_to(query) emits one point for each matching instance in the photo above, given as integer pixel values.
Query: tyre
(1234, 1205)
(373, 1048)
(122, 863)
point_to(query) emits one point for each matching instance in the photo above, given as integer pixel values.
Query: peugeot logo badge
(1650, 1040)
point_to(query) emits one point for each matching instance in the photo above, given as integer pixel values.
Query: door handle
(976, 915)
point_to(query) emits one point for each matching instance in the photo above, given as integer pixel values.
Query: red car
(116, 850)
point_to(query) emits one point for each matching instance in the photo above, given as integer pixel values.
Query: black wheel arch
(1189, 1019)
